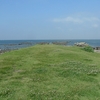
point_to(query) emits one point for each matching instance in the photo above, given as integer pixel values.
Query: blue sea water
(16, 44)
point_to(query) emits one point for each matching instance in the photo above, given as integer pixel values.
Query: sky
(49, 19)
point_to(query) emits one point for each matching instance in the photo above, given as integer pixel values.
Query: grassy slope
(50, 72)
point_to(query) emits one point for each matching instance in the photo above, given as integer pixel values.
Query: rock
(81, 44)
(60, 43)
(43, 43)
(97, 48)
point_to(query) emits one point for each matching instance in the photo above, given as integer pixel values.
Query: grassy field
(50, 72)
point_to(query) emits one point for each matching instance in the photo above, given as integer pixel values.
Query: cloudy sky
(49, 19)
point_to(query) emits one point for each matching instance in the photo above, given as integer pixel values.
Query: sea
(17, 44)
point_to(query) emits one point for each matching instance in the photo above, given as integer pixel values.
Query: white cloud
(77, 19)
(95, 25)
(68, 19)
(91, 19)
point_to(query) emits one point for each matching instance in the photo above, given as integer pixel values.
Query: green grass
(50, 72)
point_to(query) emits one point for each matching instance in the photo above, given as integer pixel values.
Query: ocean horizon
(16, 44)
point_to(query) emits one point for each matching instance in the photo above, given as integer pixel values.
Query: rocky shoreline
(6, 50)
(80, 44)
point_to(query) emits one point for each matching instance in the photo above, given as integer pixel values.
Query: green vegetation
(88, 49)
(50, 72)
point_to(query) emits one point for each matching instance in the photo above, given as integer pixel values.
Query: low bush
(88, 49)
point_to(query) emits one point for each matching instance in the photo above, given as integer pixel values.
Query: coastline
(9, 45)
(8, 50)
(3, 51)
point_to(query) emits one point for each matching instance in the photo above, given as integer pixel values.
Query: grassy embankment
(50, 72)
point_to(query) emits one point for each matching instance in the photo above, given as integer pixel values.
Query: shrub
(88, 49)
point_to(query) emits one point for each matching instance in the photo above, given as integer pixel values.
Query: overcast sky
(49, 19)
